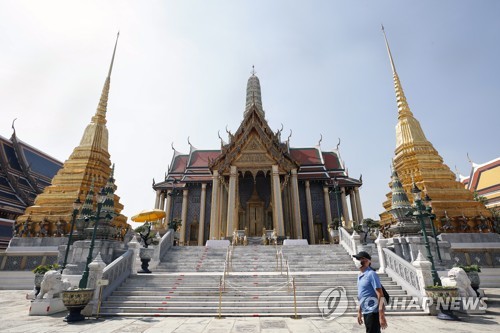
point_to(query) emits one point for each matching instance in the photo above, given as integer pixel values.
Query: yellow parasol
(149, 215)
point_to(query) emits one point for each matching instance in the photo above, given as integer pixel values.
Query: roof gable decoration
(254, 125)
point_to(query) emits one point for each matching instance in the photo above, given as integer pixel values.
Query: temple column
(354, 212)
(182, 238)
(328, 209)
(201, 225)
(278, 205)
(231, 201)
(310, 220)
(296, 205)
(157, 202)
(214, 209)
(345, 212)
(168, 208)
(162, 201)
(358, 204)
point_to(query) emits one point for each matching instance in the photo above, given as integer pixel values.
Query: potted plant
(442, 298)
(472, 272)
(40, 271)
(174, 224)
(75, 300)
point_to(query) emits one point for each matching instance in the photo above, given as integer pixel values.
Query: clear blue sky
(181, 70)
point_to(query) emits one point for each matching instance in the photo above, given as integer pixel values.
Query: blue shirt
(368, 281)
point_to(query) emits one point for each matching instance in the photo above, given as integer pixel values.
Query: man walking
(370, 295)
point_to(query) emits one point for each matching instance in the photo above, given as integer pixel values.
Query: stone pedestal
(46, 306)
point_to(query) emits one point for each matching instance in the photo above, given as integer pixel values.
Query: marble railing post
(356, 241)
(424, 275)
(96, 270)
(134, 245)
(381, 243)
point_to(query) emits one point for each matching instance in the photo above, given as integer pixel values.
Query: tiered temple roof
(485, 180)
(24, 172)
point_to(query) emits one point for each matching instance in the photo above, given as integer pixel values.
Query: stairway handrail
(347, 241)
(117, 272)
(403, 272)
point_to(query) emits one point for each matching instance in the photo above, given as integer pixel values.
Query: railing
(166, 242)
(348, 241)
(117, 271)
(402, 271)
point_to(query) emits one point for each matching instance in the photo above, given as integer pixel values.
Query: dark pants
(372, 322)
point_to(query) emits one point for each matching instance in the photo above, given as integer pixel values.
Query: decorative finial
(388, 50)
(288, 139)
(189, 143)
(113, 57)
(253, 72)
(468, 158)
(13, 128)
(320, 139)
(338, 144)
(172, 145)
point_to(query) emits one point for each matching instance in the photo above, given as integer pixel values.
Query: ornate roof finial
(253, 94)
(320, 139)
(253, 72)
(13, 128)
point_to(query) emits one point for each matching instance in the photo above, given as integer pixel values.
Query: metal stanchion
(294, 299)
(220, 299)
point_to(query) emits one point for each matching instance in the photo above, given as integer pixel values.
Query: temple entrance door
(255, 215)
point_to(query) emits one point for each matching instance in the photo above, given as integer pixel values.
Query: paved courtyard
(14, 318)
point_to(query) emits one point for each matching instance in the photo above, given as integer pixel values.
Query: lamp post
(101, 197)
(420, 213)
(76, 207)
(428, 205)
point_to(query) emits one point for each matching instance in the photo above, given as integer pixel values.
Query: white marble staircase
(186, 283)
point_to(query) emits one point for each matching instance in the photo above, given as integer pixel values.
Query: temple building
(51, 213)
(417, 159)
(256, 181)
(484, 180)
(24, 172)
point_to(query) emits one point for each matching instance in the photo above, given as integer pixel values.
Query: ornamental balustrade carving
(117, 271)
(402, 268)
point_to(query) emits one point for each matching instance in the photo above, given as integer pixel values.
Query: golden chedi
(416, 158)
(51, 214)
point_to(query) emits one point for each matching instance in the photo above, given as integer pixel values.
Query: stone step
(186, 283)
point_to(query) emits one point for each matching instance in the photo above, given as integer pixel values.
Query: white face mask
(357, 263)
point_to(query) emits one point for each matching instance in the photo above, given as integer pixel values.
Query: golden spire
(403, 108)
(100, 116)
(96, 133)
(408, 129)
